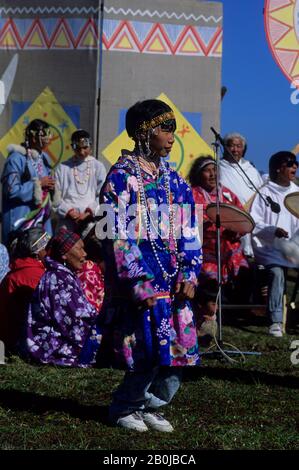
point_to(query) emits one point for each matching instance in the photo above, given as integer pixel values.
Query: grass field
(219, 406)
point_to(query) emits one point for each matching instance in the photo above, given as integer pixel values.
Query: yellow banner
(188, 143)
(47, 108)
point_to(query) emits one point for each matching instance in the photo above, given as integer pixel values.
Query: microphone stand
(220, 352)
(99, 77)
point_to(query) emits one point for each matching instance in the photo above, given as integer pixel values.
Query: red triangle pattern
(277, 30)
(287, 59)
(157, 40)
(276, 4)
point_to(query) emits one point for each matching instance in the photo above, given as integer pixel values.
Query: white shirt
(263, 236)
(234, 179)
(78, 183)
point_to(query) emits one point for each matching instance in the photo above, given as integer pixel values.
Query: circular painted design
(296, 20)
(55, 148)
(282, 31)
(176, 157)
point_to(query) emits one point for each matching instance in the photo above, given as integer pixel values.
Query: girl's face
(162, 140)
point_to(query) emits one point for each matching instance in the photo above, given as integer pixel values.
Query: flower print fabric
(92, 282)
(134, 337)
(61, 326)
(232, 257)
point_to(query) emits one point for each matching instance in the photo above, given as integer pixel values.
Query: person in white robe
(270, 228)
(78, 184)
(232, 176)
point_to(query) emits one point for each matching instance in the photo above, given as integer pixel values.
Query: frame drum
(232, 218)
(291, 202)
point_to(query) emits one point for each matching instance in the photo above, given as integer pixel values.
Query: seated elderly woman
(61, 326)
(16, 290)
(202, 177)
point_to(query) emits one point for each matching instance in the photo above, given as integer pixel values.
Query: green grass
(219, 406)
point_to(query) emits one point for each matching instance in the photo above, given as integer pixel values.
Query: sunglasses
(291, 163)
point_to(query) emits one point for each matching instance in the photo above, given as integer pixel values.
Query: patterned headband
(41, 243)
(156, 121)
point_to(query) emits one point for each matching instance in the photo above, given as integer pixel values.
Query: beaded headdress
(82, 142)
(156, 121)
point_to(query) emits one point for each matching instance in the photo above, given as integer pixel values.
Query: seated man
(232, 176)
(271, 226)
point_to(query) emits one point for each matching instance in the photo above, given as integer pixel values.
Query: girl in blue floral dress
(153, 259)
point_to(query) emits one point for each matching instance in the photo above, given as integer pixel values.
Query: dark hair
(25, 241)
(277, 160)
(143, 111)
(79, 134)
(34, 126)
(197, 167)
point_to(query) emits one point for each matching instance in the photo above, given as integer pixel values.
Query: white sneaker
(275, 330)
(133, 421)
(157, 422)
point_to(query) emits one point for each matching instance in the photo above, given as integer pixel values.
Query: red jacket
(15, 294)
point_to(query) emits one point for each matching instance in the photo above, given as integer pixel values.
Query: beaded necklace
(36, 162)
(172, 244)
(85, 179)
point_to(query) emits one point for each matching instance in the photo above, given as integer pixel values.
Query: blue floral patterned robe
(136, 338)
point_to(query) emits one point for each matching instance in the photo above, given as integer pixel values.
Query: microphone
(223, 92)
(275, 207)
(217, 136)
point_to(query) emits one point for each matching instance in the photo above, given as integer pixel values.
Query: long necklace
(36, 163)
(149, 223)
(81, 183)
(207, 196)
(86, 173)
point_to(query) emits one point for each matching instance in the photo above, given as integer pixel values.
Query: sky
(258, 99)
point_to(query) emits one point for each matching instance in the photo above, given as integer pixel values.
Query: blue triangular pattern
(3, 22)
(173, 31)
(141, 29)
(23, 25)
(49, 25)
(109, 27)
(206, 33)
(76, 25)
